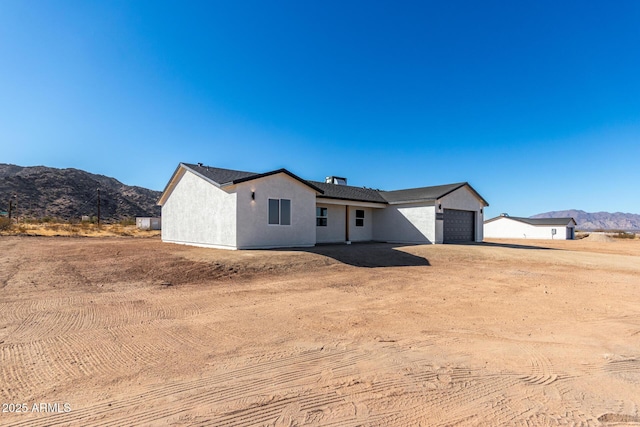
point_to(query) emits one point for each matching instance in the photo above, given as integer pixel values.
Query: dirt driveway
(117, 331)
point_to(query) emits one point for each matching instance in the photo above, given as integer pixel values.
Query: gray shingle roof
(223, 177)
(348, 192)
(219, 175)
(426, 193)
(537, 221)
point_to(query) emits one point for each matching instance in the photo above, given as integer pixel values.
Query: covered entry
(459, 226)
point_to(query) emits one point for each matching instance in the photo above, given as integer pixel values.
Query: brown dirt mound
(599, 238)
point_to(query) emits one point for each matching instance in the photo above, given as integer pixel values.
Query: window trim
(279, 200)
(324, 217)
(361, 218)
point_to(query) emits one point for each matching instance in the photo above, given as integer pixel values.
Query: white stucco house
(512, 227)
(223, 208)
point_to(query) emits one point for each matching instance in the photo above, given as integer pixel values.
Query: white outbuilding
(512, 227)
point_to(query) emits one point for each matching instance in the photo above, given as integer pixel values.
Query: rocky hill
(41, 191)
(597, 220)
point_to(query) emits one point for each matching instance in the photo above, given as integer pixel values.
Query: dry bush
(623, 235)
(6, 224)
(53, 227)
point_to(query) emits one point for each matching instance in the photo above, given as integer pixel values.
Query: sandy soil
(123, 331)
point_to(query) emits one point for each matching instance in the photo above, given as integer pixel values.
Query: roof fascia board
(429, 202)
(350, 202)
(217, 184)
(473, 191)
(524, 221)
(168, 189)
(275, 172)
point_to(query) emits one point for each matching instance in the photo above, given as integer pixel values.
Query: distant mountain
(70, 193)
(597, 220)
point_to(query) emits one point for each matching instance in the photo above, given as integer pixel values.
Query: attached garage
(459, 226)
(230, 209)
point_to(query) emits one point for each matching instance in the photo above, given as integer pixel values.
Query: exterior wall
(364, 233)
(507, 228)
(335, 229)
(199, 213)
(148, 223)
(253, 229)
(405, 223)
(462, 199)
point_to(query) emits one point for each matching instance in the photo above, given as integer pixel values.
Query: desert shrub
(73, 230)
(127, 221)
(6, 224)
(623, 235)
(46, 219)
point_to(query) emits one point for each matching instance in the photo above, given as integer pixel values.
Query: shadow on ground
(508, 245)
(370, 255)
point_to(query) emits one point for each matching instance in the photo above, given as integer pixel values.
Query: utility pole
(13, 206)
(98, 206)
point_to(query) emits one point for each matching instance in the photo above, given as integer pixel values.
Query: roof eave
(275, 172)
(322, 196)
(403, 202)
(463, 184)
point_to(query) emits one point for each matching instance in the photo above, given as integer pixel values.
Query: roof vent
(335, 180)
(200, 164)
(504, 214)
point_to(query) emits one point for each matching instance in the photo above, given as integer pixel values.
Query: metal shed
(148, 223)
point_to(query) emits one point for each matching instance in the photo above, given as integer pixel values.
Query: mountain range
(597, 220)
(40, 191)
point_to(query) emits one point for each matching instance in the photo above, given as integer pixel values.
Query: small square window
(321, 217)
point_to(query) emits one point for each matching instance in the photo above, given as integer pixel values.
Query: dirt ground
(124, 331)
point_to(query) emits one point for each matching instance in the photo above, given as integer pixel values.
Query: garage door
(459, 226)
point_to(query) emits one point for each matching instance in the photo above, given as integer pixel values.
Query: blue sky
(535, 104)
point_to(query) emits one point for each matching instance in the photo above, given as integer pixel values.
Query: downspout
(346, 228)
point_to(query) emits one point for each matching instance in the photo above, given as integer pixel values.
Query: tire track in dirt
(627, 365)
(10, 264)
(75, 355)
(66, 315)
(541, 368)
(255, 376)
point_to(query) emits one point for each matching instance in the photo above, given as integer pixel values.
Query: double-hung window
(279, 212)
(321, 217)
(359, 218)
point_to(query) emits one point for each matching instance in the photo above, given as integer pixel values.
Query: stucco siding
(365, 232)
(335, 229)
(199, 213)
(507, 228)
(462, 199)
(407, 223)
(253, 228)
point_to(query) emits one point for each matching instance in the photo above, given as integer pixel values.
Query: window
(359, 218)
(321, 217)
(279, 211)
